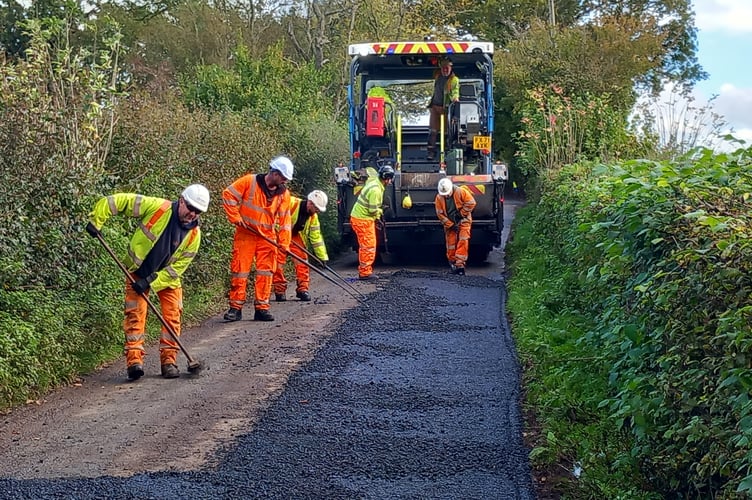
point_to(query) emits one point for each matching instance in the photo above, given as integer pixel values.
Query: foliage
(13, 41)
(558, 130)
(273, 86)
(565, 380)
(662, 254)
(613, 37)
(56, 114)
(504, 21)
(600, 61)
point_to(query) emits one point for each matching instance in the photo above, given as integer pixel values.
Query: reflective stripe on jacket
(245, 201)
(463, 200)
(311, 232)
(368, 204)
(154, 213)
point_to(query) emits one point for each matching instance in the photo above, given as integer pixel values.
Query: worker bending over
(454, 207)
(160, 251)
(306, 235)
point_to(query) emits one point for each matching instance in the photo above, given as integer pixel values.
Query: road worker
(156, 263)
(446, 91)
(258, 205)
(306, 235)
(454, 207)
(365, 213)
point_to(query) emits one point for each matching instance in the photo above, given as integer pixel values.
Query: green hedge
(68, 137)
(663, 269)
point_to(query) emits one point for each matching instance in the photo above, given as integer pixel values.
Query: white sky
(724, 46)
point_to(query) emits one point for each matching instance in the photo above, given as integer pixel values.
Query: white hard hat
(197, 196)
(284, 165)
(319, 199)
(445, 186)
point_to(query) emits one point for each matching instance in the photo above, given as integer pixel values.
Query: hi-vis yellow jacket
(311, 232)
(154, 213)
(370, 199)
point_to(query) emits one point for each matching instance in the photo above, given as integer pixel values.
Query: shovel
(386, 257)
(194, 366)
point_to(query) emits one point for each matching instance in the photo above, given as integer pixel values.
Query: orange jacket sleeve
(233, 196)
(466, 204)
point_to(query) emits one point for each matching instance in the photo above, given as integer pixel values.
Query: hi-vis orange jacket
(463, 200)
(246, 205)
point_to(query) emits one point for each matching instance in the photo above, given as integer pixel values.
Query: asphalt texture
(416, 395)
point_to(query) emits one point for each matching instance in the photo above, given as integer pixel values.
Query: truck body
(390, 87)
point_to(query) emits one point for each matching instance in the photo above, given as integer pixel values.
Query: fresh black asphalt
(414, 396)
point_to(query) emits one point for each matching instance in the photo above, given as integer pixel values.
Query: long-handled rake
(326, 266)
(305, 262)
(194, 366)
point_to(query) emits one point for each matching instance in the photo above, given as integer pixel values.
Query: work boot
(136, 371)
(304, 296)
(280, 297)
(370, 277)
(460, 271)
(233, 314)
(263, 315)
(170, 370)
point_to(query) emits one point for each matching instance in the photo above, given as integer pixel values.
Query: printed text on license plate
(482, 142)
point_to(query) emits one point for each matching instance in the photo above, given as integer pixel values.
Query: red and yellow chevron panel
(475, 188)
(476, 184)
(421, 48)
(391, 48)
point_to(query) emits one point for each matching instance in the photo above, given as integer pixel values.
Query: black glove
(142, 286)
(92, 230)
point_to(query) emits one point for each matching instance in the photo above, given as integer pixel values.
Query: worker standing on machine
(160, 251)
(306, 234)
(258, 205)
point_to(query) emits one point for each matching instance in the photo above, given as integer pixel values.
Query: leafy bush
(65, 141)
(274, 86)
(56, 110)
(663, 258)
(558, 129)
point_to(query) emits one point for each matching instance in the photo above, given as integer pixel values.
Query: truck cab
(390, 87)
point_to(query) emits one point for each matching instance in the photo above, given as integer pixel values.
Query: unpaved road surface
(414, 395)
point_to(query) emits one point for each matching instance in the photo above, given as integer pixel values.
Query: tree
(13, 41)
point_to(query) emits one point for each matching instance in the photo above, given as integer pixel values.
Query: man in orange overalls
(163, 246)
(255, 204)
(454, 207)
(363, 216)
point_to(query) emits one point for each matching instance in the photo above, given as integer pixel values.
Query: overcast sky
(725, 53)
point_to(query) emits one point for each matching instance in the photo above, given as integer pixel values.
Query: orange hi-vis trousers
(457, 244)
(134, 324)
(245, 248)
(365, 230)
(302, 272)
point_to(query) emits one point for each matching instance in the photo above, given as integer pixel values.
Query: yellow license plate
(482, 142)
